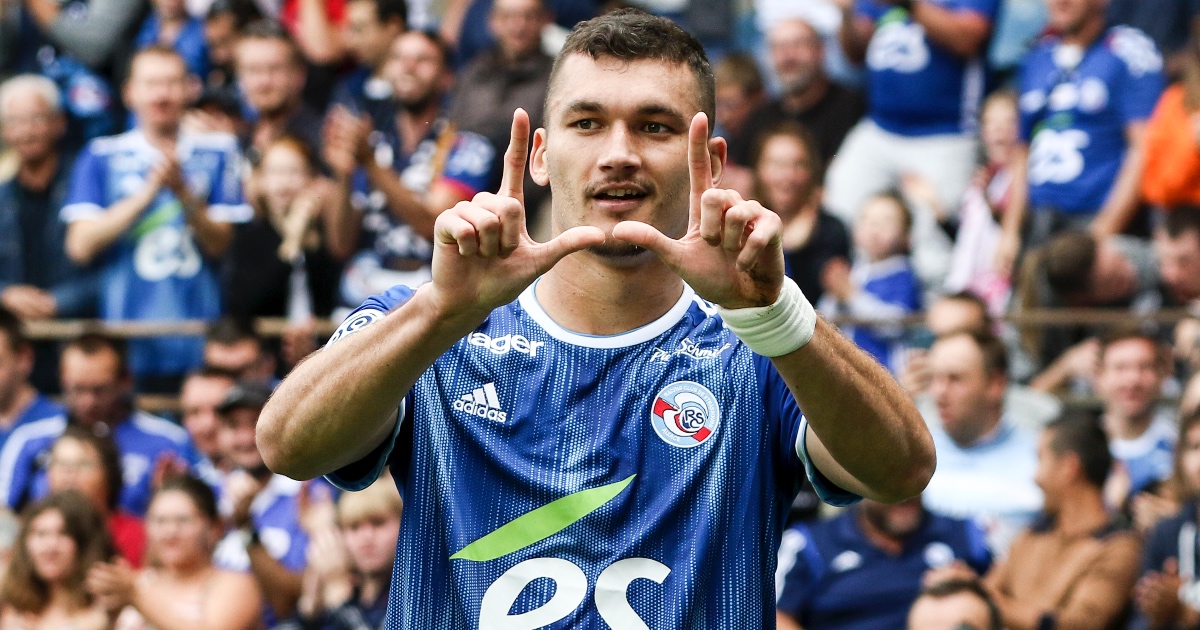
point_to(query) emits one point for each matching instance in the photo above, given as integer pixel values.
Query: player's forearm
(86, 238)
(961, 32)
(337, 406)
(402, 202)
(871, 439)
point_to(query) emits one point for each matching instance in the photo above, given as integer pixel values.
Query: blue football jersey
(41, 407)
(155, 270)
(1074, 118)
(916, 87)
(559, 480)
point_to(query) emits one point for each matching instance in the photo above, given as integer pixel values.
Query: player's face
(199, 399)
(177, 533)
(236, 437)
(76, 466)
(785, 174)
(157, 91)
(93, 387)
(1129, 378)
(371, 542)
(615, 146)
(50, 547)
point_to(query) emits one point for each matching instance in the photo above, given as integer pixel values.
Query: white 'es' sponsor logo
(502, 345)
(482, 402)
(689, 348)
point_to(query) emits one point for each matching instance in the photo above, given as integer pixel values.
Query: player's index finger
(513, 182)
(698, 159)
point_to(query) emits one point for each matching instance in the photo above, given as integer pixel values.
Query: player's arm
(340, 404)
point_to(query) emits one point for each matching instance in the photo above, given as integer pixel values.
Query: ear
(538, 169)
(718, 152)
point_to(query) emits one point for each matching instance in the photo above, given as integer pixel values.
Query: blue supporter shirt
(831, 577)
(155, 270)
(142, 440)
(189, 43)
(544, 472)
(1150, 457)
(276, 517)
(390, 252)
(1075, 117)
(915, 86)
(41, 407)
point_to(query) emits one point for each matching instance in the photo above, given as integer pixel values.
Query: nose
(619, 151)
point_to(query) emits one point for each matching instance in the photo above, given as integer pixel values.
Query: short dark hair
(93, 343)
(1068, 260)
(270, 31)
(634, 35)
(995, 354)
(950, 588)
(200, 493)
(1079, 432)
(388, 10)
(1182, 220)
(13, 330)
(1126, 333)
(100, 440)
(740, 69)
(227, 331)
(208, 371)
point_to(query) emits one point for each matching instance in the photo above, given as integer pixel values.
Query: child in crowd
(973, 265)
(170, 25)
(882, 284)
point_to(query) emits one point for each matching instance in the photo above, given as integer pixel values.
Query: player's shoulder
(1135, 49)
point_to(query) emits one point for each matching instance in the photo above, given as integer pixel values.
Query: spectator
(222, 24)
(1076, 566)
(882, 284)
(1172, 173)
(863, 568)
(92, 31)
(20, 403)
(407, 178)
(371, 27)
(986, 464)
(954, 605)
(350, 566)
(808, 97)
(233, 346)
(170, 25)
(97, 388)
(787, 173)
(464, 25)
(740, 94)
(37, 280)
(1086, 92)
(1166, 22)
(202, 392)
(86, 460)
(182, 590)
(924, 84)
(267, 539)
(61, 538)
(153, 206)
(281, 262)
(514, 73)
(1141, 435)
(271, 73)
(973, 265)
(1177, 247)
(1168, 593)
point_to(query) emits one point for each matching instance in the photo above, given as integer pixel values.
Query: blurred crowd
(942, 167)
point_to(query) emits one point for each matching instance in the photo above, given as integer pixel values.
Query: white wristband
(778, 329)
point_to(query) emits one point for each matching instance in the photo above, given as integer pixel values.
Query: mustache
(643, 186)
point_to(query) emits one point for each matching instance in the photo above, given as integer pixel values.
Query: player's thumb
(569, 242)
(645, 236)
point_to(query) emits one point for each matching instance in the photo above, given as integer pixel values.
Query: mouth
(620, 198)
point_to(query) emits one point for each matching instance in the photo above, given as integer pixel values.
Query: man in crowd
(986, 463)
(271, 73)
(20, 402)
(369, 29)
(97, 390)
(925, 81)
(741, 94)
(402, 179)
(1076, 566)
(153, 207)
(863, 568)
(1177, 247)
(233, 346)
(960, 604)
(203, 391)
(1086, 92)
(825, 108)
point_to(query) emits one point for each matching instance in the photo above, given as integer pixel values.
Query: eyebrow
(652, 109)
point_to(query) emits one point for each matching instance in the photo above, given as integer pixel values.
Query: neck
(17, 404)
(1081, 511)
(595, 299)
(415, 123)
(37, 173)
(1128, 427)
(61, 598)
(886, 542)
(371, 585)
(988, 427)
(803, 100)
(188, 571)
(162, 138)
(1088, 31)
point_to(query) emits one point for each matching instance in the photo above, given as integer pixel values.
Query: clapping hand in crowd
(346, 147)
(28, 302)
(1157, 597)
(241, 488)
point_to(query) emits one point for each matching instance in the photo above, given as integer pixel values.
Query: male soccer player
(621, 402)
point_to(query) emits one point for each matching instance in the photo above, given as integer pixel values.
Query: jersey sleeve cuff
(362, 473)
(828, 491)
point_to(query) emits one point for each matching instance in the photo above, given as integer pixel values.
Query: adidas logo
(482, 402)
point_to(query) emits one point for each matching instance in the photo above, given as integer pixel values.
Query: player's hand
(483, 255)
(732, 253)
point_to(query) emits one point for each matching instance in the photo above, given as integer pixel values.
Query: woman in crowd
(180, 589)
(61, 538)
(90, 464)
(788, 174)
